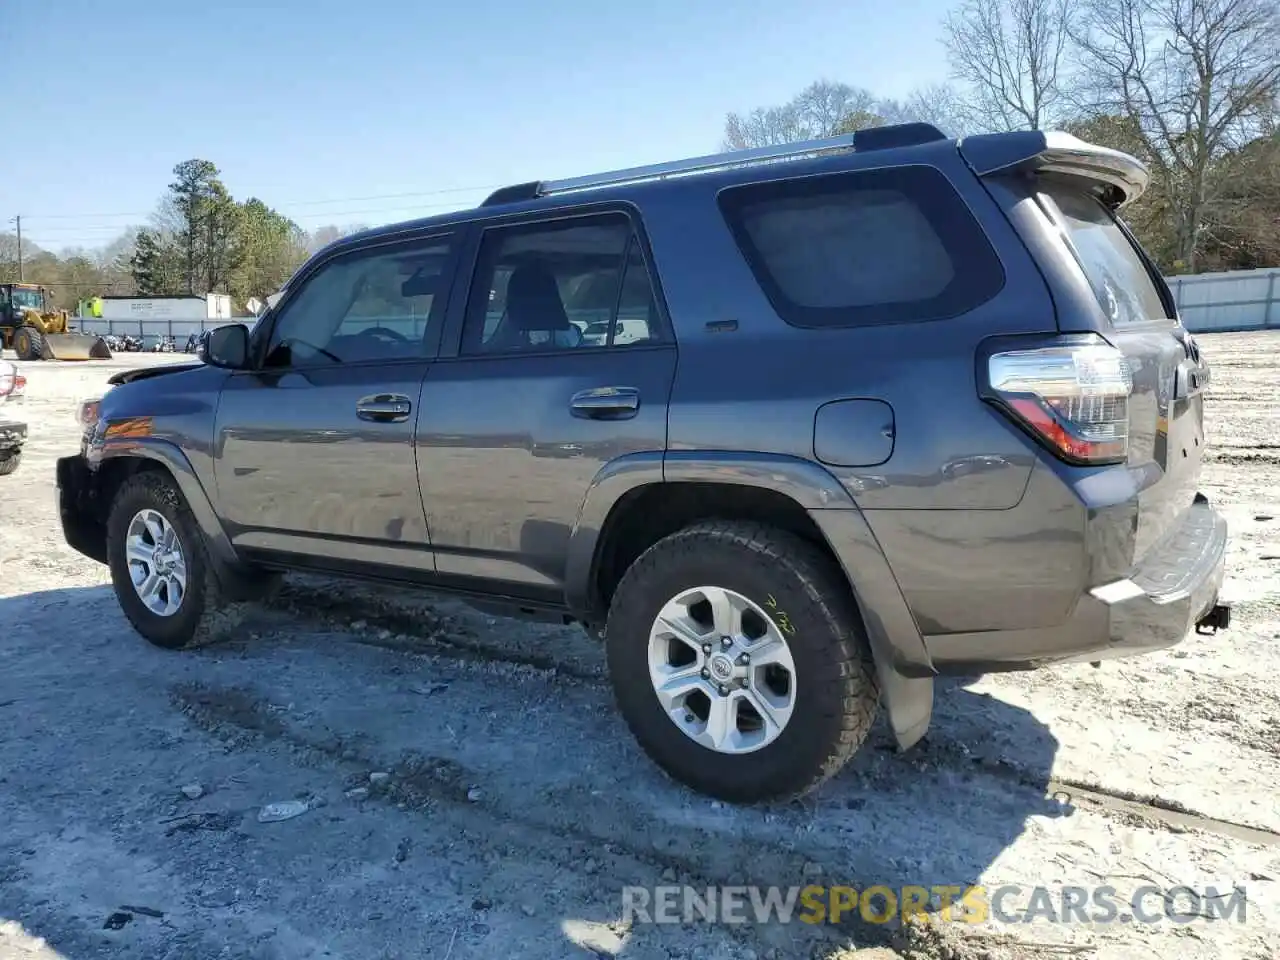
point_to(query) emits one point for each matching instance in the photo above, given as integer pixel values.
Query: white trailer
(153, 318)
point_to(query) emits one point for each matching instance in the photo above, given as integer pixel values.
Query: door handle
(605, 403)
(384, 408)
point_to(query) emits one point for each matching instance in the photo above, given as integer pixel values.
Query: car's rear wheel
(10, 463)
(737, 656)
(160, 569)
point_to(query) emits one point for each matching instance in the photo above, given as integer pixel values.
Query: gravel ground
(515, 806)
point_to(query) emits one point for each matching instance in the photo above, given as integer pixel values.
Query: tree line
(1191, 87)
(200, 240)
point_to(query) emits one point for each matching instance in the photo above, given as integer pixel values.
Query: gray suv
(794, 430)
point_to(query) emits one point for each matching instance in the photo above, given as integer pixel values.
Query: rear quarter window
(893, 245)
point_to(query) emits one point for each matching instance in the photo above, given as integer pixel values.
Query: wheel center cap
(721, 667)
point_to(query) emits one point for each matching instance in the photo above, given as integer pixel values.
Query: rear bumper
(1174, 588)
(13, 435)
(78, 508)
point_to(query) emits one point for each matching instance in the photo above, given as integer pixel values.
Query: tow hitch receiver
(1218, 618)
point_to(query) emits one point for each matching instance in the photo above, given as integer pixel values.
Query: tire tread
(823, 584)
(218, 615)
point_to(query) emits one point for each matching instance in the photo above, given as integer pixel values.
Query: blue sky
(323, 108)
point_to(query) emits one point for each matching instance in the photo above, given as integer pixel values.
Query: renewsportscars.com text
(1011, 904)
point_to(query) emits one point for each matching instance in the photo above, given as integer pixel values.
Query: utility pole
(18, 221)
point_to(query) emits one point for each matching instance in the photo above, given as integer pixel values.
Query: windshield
(28, 298)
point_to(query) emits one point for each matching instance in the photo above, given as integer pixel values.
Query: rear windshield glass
(874, 246)
(1117, 274)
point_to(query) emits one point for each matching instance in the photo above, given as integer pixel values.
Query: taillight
(1072, 396)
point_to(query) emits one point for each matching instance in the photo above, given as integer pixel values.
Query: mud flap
(908, 701)
(903, 666)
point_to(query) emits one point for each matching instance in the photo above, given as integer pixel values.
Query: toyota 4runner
(793, 429)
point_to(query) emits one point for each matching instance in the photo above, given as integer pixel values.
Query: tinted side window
(875, 246)
(560, 286)
(1119, 278)
(368, 305)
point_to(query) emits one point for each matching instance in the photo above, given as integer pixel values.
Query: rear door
(562, 363)
(1166, 409)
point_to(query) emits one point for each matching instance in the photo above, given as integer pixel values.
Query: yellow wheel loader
(34, 331)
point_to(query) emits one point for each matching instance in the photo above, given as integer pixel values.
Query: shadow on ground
(525, 803)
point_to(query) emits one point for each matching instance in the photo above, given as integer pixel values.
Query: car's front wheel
(160, 569)
(737, 658)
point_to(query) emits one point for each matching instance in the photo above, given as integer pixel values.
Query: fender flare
(612, 482)
(903, 666)
(171, 457)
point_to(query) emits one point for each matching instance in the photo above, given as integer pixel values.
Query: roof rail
(513, 194)
(872, 138)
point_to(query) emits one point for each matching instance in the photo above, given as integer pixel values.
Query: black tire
(10, 463)
(28, 343)
(206, 612)
(836, 691)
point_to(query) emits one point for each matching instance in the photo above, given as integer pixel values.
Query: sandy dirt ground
(470, 792)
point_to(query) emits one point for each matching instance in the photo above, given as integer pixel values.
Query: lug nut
(706, 648)
(705, 673)
(724, 691)
(744, 660)
(726, 642)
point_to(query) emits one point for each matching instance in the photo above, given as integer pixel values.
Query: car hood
(146, 373)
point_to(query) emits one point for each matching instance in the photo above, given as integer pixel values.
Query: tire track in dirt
(592, 848)
(446, 637)
(418, 630)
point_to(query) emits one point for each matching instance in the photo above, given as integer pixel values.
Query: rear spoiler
(1122, 178)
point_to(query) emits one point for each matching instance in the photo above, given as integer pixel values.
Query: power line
(95, 235)
(321, 215)
(288, 203)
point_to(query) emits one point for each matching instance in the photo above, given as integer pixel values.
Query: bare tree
(762, 127)
(940, 105)
(1010, 54)
(1197, 80)
(323, 236)
(823, 109)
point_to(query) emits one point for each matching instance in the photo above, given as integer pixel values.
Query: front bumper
(79, 509)
(13, 435)
(1173, 590)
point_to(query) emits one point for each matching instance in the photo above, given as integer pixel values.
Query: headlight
(87, 412)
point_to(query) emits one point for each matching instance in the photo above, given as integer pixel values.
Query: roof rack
(873, 138)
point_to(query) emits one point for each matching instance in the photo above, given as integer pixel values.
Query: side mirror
(226, 347)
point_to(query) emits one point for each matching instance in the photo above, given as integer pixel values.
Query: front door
(315, 448)
(564, 364)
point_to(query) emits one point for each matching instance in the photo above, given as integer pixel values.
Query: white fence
(153, 330)
(1238, 300)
